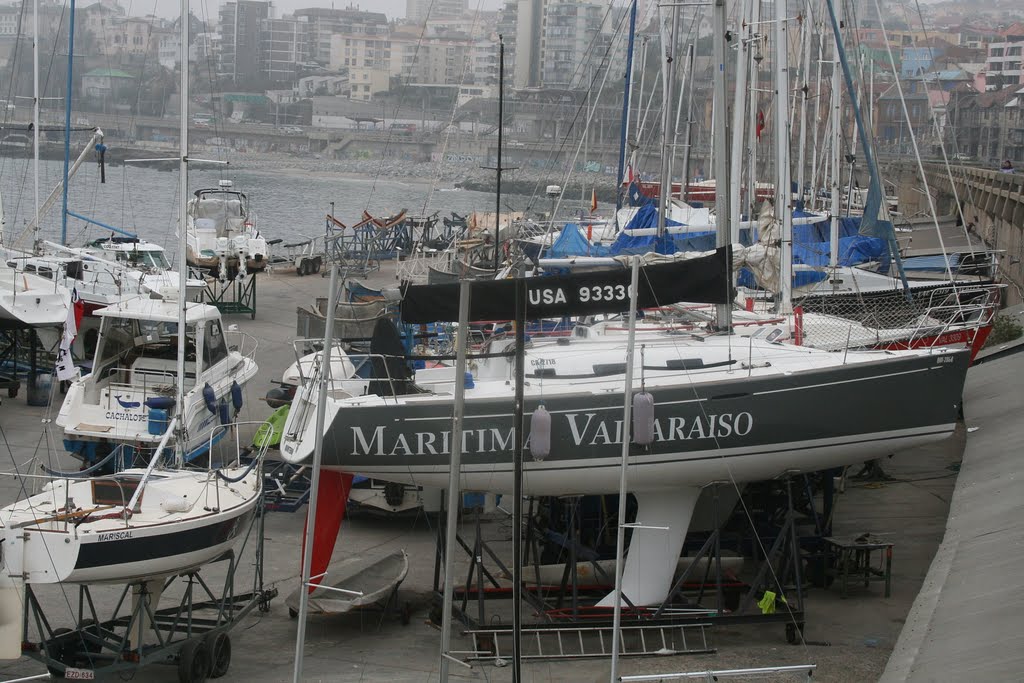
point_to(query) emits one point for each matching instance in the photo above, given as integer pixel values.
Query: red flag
(760, 123)
(593, 200)
(627, 177)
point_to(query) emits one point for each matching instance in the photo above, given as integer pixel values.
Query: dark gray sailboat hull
(742, 428)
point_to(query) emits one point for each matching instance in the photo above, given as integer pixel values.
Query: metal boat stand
(570, 626)
(193, 634)
(559, 633)
(234, 297)
(779, 572)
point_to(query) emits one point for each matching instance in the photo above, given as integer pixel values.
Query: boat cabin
(219, 212)
(135, 370)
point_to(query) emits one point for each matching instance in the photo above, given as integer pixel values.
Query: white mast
(668, 80)
(723, 231)
(833, 254)
(755, 21)
(35, 108)
(805, 70)
(738, 111)
(182, 208)
(782, 180)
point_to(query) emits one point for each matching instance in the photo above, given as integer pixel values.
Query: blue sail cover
(572, 241)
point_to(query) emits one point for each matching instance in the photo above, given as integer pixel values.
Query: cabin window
(117, 492)
(215, 348)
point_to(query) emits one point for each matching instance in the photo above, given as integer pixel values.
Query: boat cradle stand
(193, 634)
(571, 626)
(236, 296)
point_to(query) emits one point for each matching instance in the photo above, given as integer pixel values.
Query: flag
(65, 366)
(593, 200)
(627, 176)
(760, 124)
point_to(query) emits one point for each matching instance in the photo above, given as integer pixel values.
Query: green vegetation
(1004, 329)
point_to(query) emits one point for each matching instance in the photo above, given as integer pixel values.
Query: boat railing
(245, 344)
(240, 442)
(941, 320)
(149, 381)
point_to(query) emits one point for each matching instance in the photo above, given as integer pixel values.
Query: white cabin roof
(163, 310)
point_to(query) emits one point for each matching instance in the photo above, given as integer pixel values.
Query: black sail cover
(704, 280)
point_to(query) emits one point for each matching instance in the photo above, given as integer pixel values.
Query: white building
(1003, 66)
(169, 50)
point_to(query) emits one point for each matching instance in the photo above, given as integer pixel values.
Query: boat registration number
(73, 674)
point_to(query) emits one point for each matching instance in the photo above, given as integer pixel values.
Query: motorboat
(106, 272)
(221, 233)
(128, 397)
(29, 299)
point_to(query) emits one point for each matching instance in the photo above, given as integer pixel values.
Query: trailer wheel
(220, 653)
(58, 649)
(193, 662)
(794, 633)
(293, 613)
(12, 392)
(300, 267)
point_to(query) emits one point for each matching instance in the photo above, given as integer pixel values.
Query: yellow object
(767, 603)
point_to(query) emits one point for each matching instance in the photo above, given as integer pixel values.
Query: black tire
(301, 268)
(406, 614)
(794, 633)
(193, 662)
(12, 392)
(220, 653)
(91, 627)
(317, 263)
(59, 649)
(293, 613)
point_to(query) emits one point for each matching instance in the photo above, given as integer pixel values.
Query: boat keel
(662, 519)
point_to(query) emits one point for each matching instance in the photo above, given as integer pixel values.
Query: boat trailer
(193, 634)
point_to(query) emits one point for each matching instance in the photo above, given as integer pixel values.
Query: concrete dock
(848, 639)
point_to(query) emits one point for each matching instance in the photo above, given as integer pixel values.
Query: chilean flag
(760, 124)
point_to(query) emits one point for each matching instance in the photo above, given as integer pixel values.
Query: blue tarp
(852, 251)
(572, 241)
(647, 217)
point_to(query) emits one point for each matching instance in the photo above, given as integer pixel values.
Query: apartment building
(1003, 65)
(240, 24)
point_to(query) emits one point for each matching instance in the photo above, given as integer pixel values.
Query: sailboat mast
(783, 191)
(627, 98)
(688, 134)
(67, 121)
(182, 209)
(723, 237)
(35, 109)
(837, 97)
(739, 106)
(804, 73)
(668, 79)
(498, 170)
(752, 136)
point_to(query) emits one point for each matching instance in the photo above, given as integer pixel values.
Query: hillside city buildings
(962, 78)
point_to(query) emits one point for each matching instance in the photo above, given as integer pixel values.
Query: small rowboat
(357, 584)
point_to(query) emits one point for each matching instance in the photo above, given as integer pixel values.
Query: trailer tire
(220, 653)
(193, 662)
(58, 650)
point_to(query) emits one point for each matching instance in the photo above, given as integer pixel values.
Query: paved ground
(965, 625)
(861, 631)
